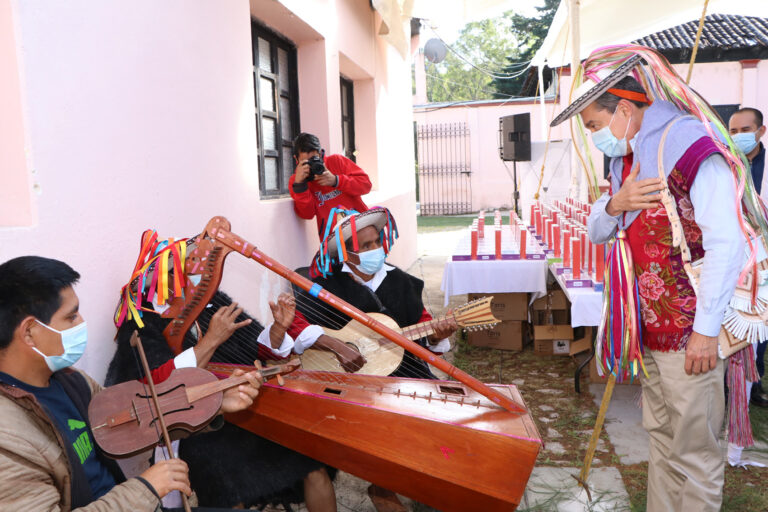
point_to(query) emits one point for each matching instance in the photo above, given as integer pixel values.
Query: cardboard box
(558, 340)
(559, 317)
(506, 306)
(552, 332)
(556, 299)
(507, 335)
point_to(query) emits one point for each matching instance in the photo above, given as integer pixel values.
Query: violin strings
(147, 394)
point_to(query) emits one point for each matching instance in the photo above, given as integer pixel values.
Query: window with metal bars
(348, 118)
(277, 112)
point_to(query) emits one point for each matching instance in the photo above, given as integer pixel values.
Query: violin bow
(136, 342)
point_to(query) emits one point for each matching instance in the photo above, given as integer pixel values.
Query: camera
(316, 167)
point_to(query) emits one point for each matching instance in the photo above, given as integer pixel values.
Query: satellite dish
(435, 50)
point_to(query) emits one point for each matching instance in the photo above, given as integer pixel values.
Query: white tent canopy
(605, 22)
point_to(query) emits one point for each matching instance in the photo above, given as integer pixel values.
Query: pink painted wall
(491, 180)
(730, 83)
(140, 115)
(492, 186)
(16, 204)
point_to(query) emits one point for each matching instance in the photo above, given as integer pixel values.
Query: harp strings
(243, 348)
(239, 275)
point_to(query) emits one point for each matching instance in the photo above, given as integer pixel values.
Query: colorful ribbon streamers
(661, 81)
(160, 262)
(619, 343)
(741, 374)
(323, 261)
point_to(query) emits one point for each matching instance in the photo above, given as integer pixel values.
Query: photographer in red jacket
(320, 183)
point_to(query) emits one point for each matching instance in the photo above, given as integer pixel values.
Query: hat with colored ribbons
(596, 84)
(153, 278)
(333, 248)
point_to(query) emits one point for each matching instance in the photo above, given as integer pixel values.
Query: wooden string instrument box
(454, 445)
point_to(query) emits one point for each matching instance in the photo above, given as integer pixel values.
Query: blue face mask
(606, 141)
(745, 141)
(371, 261)
(73, 340)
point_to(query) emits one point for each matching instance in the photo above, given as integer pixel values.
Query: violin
(124, 417)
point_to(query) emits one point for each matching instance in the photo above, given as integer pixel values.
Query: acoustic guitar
(384, 356)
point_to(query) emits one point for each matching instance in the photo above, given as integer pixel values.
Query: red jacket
(317, 201)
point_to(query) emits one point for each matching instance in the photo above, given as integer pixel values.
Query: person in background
(320, 183)
(746, 128)
(367, 282)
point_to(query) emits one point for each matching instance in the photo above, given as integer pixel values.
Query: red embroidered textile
(667, 300)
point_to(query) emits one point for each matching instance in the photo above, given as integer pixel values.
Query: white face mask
(73, 340)
(609, 144)
(372, 261)
(745, 141)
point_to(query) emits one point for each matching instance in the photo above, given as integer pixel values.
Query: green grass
(440, 223)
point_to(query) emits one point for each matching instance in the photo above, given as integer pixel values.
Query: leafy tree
(530, 32)
(486, 44)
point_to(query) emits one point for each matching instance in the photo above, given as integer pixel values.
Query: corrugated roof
(721, 33)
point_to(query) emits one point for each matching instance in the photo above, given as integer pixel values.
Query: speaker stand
(517, 192)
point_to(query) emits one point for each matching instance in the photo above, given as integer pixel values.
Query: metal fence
(444, 173)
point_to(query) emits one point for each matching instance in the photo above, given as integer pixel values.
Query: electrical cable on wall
(492, 74)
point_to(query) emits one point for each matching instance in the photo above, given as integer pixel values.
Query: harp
(453, 445)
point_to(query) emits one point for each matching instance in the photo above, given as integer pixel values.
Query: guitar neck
(195, 393)
(420, 330)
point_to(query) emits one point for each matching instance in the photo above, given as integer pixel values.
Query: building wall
(492, 185)
(730, 82)
(491, 178)
(140, 115)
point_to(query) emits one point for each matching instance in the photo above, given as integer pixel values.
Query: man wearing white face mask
(48, 458)
(357, 272)
(683, 397)
(351, 264)
(746, 128)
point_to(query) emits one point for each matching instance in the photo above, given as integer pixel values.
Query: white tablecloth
(586, 304)
(506, 276)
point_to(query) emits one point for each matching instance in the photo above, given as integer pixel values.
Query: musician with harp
(230, 466)
(48, 457)
(351, 264)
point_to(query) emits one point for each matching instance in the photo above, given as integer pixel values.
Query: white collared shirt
(309, 335)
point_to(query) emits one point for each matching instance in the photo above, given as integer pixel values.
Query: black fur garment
(230, 466)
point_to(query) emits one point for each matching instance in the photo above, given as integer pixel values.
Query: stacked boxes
(512, 332)
(552, 331)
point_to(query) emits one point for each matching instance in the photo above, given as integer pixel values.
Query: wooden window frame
(349, 151)
(259, 31)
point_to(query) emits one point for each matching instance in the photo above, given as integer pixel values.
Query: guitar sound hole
(451, 390)
(332, 391)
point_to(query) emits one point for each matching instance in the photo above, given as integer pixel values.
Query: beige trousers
(683, 415)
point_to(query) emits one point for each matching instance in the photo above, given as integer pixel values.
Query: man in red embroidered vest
(683, 402)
